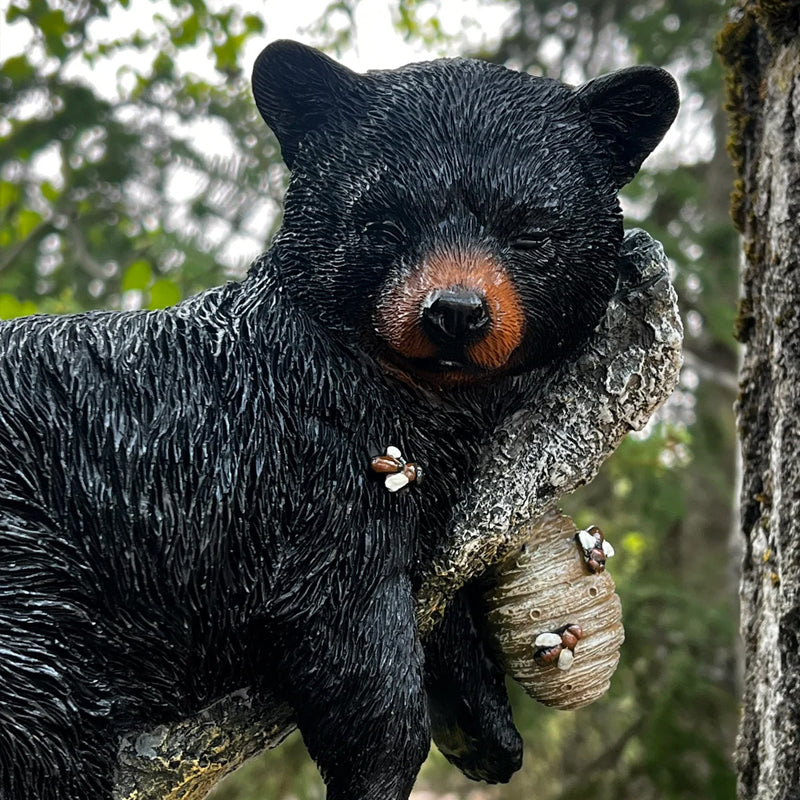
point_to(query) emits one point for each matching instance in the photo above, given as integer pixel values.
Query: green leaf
(253, 24)
(53, 25)
(163, 66)
(10, 307)
(49, 192)
(227, 53)
(164, 293)
(9, 193)
(137, 276)
(18, 69)
(26, 222)
(187, 32)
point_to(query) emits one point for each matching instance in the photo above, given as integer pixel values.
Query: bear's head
(456, 219)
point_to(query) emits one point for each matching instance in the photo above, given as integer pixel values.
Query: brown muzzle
(457, 317)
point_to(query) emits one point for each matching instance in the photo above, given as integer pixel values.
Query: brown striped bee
(595, 548)
(398, 471)
(557, 647)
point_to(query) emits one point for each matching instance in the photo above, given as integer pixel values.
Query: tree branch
(90, 265)
(11, 254)
(550, 449)
(586, 408)
(724, 378)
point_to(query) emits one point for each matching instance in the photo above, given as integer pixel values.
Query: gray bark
(762, 51)
(542, 453)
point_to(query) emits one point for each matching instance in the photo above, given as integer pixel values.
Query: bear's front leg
(470, 714)
(355, 681)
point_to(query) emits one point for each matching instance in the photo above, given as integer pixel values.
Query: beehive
(545, 587)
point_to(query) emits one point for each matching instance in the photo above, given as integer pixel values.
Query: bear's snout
(456, 317)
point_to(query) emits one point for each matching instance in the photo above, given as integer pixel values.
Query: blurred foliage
(109, 196)
(88, 177)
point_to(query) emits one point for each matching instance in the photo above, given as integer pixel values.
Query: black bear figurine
(187, 502)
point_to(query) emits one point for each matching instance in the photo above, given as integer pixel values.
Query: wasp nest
(553, 614)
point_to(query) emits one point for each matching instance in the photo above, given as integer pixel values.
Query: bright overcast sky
(377, 43)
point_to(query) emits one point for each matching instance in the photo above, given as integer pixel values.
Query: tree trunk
(585, 409)
(761, 48)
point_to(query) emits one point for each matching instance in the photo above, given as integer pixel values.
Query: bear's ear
(630, 111)
(296, 88)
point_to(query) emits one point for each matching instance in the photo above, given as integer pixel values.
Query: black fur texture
(186, 505)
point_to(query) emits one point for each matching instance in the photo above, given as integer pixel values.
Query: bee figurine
(594, 547)
(399, 472)
(557, 647)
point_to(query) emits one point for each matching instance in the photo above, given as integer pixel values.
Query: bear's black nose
(455, 316)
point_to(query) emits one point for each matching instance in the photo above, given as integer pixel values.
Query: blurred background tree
(127, 180)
